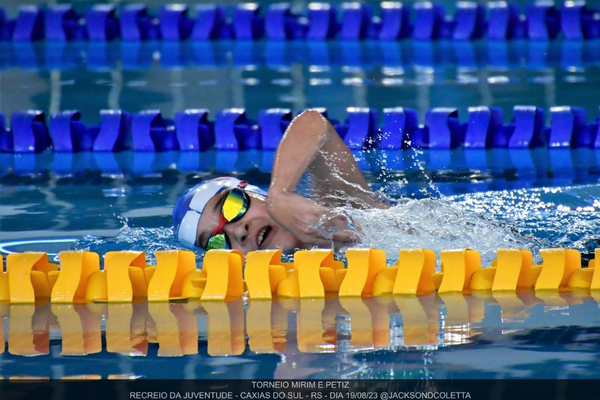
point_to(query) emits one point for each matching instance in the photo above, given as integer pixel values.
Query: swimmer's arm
(311, 144)
(308, 143)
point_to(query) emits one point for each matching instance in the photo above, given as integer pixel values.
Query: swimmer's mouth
(262, 235)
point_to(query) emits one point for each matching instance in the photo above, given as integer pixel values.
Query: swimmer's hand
(309, 222)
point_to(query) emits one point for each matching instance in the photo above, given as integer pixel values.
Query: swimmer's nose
(239, 231)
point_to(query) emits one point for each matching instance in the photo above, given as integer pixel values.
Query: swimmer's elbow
(311, 121)
(310, 113)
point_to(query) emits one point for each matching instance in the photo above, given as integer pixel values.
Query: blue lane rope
(232, 130)
(540, 20)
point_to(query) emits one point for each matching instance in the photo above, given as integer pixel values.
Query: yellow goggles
(235, 206)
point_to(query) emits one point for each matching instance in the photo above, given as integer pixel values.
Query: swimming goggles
(235, 206)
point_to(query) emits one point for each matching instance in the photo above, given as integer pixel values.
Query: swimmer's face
(254, 231)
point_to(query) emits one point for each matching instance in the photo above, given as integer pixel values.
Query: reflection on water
(173, 76)
(360, 335)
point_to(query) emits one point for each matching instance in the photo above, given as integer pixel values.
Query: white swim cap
(189, 207)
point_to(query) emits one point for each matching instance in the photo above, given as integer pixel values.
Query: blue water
(478, 199)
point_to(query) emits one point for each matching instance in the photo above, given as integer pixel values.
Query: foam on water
(526, 218)
(435, 224)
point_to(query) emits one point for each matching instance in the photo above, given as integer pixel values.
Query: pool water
(481, 199)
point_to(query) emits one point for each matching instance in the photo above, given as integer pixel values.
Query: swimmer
(226, 213)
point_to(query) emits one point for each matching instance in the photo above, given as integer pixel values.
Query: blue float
(210, 23)
(588, 136)
(398, 125)
(29, 132)
(136, 24)
(577, 21)
(484, 128)
(567, 123)
(63, 24)
(194, 131)
(360, 128)
(114, 133)
(445, 130)
(395, 21)
(6, 27)
(151, 132)
(234, 131)
(69, 134)
(174, 22)
(102, 23)
(503, 20)
(529, 129)
(543, 20)
(280, 23)
(429, 19)
(273, 122)
(323, 22)
(29, 25)
(6, 142)
(247, 22)
(356, 21)
(470, 21)
(595, 133)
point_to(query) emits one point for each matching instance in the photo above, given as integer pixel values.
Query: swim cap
(189, 207)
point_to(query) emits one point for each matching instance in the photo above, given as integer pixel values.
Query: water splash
(530, 219)
(557, 217)
(436, 224)
(148, 240)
